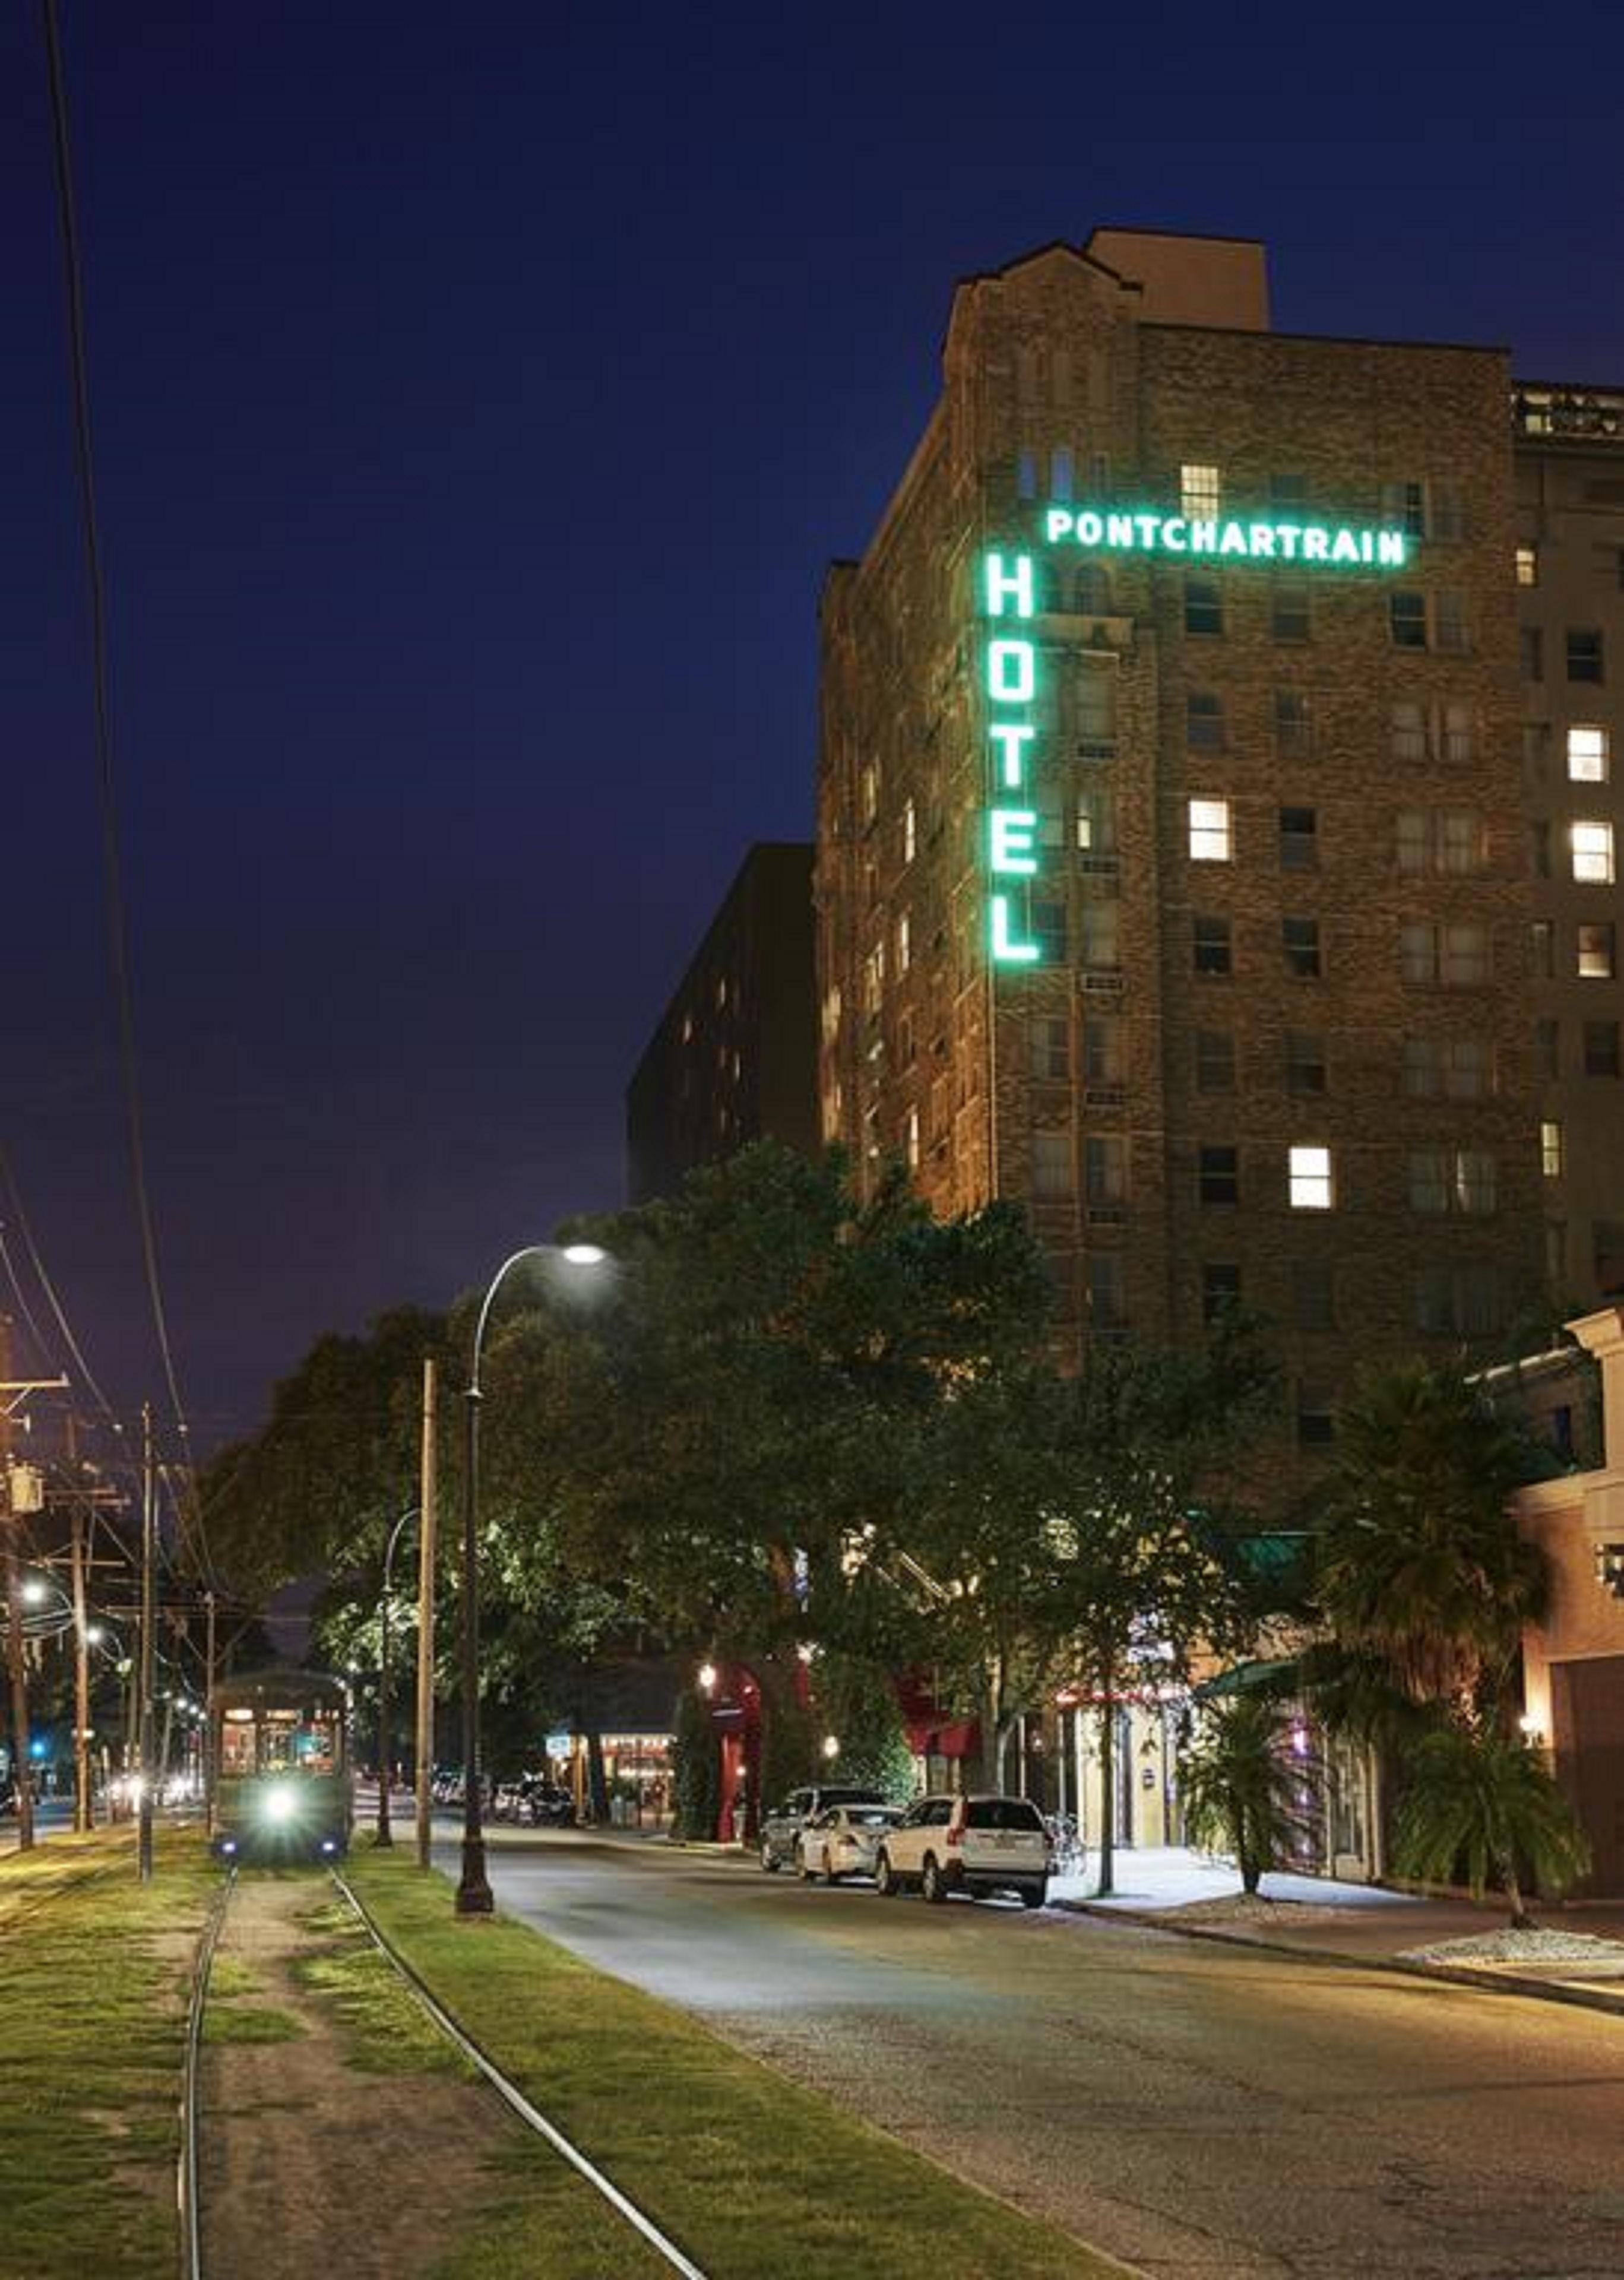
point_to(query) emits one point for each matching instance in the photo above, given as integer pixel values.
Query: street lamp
(384, 1836)
(473, 1893)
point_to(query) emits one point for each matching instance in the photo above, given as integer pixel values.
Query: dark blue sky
(478, 395)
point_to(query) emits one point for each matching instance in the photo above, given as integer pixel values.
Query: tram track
(190, 2195)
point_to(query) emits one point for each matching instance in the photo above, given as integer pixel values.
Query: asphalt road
(1198, 2110)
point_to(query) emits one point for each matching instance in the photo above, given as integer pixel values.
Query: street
(1198, 2110)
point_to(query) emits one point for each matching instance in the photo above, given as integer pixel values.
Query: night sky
(478, 395)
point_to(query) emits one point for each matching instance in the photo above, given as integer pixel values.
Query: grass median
(753, 2176)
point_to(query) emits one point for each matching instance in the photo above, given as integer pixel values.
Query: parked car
(971, 1845)
(782, 1824)
(844, 1840)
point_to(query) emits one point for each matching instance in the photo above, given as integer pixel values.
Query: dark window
(1293, 724)
(1541, 948)
(1547, 1047)
(1300, 940)
(1094, 590)
(1204, 607)
(1204, 722)
(1313, 1294)
(1211, 945)
(1316, 1417)
(1050, 1042)
(1540, 849)
(1305, 1061)
(1584, 653)
(1220, 1290)
(1288, 494)
(1001, 1812)
(1220, 1169)
(1405, 505)
(1298, 827)
(1048, 928)
(1407, 619)
(1214, 1061)
(1601, 1048)
(1533, 647)
(1288, 610)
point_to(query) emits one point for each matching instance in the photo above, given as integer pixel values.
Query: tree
(1420, 1566)
(1240, 1791)
(1477, 1799)
(696, 1780)
(856, 1704)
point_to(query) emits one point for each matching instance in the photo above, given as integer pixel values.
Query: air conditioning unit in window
(1100, 983)
(1106, 1215)
(1108, 633)
(1106, 1095)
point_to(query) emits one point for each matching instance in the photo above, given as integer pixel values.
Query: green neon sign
(1009, 590)
(1323, 546)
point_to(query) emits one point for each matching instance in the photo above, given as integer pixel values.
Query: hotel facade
(1197, 861)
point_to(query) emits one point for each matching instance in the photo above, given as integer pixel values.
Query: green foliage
(1421, 1567)
(1475, 1803)
(697, 1782)
(789, 1743)
(1239, 1787)
(857, 1703)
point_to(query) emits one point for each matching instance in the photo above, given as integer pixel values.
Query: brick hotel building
(1208, 855)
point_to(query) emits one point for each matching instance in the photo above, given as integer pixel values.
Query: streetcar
(282, 1783)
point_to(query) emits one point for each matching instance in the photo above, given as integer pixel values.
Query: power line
(118, 932)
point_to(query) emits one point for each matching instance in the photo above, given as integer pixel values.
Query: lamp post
(473, 1894)
(385, 1835)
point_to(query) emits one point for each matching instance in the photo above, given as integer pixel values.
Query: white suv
(967, 1844)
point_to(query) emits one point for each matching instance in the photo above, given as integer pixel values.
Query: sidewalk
(1577, 1956)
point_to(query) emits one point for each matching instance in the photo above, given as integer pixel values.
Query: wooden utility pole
(16, 1666)
(208, 1708)
(425, 1620)
(82, 1814)
(149, 1557)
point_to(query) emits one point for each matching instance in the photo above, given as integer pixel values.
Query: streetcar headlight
(282, 1801)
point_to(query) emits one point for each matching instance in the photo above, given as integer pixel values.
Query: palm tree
(1421, 1567)
(1474, 1798)
(1240, 1791)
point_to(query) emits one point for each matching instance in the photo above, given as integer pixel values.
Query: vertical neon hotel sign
(1009, 598)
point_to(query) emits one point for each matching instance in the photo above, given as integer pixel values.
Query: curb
(1450, 1975)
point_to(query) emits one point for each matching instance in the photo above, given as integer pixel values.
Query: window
(1097, 716)
(1210, 836)
(1539, 849)
(1288, 494)
(1102, 1050)
(1406, 613)
(1531, 645)
(1541, 948)
(1220, 1290)
(869, 792)
(1473, 1181)
(1297, 829)
(1219, 1174)
(1305, 1061)
(1100, 947)
(1550, 1148)
(1212, 953)
(1458, 1301)
(1316, 1416)
(1200, 491)
(1451, 841)
(1049, 930)
(1556, 1253)
(1049, 1044)
(1094, 590)
(1313, 1294)
(904, 943)
(1592, 853)
(1598, 951)
(1528, 566)
(1062, 472)
(1053, 1179)
(1456, 731)
(1404, 504)
(1446, 510)
(1107, 1313)
(1457, 956)
(1096, 823)
(1214, 1060)
(1601, 1048)
(1588, 754)
(1204, 722)
(911, 1139)
(909, 834)
(1288, 610)
(1410, 739)
(1311, 1184)
(1204, 607)
(1548, 1048)
(1448, 621)
(1300, 942)
(1450, 1069)
(1293, 724)
(1105, 1169)
(1026, 475)
(1584, 653)
(1536, 749)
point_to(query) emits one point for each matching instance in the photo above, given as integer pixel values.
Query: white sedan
(844, 1840)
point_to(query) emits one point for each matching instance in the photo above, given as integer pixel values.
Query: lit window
(1550, 1148)
(911, 1139)
(870, 791)
(1096, 823)
(1528, 566)
(1200, 491)
(1588, 754)
(1592, 847)
(1209, 836)
(904, 943)
(1311, 1181)
(1598, 951)
(909, 839)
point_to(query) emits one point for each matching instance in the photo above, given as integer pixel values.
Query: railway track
(191, 2195)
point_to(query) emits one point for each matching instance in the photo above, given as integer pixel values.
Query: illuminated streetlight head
(585, 1254)
(707, 1677)
(32, 1592)
(831, 1746)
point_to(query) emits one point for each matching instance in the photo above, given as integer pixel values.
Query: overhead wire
(117, 925)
